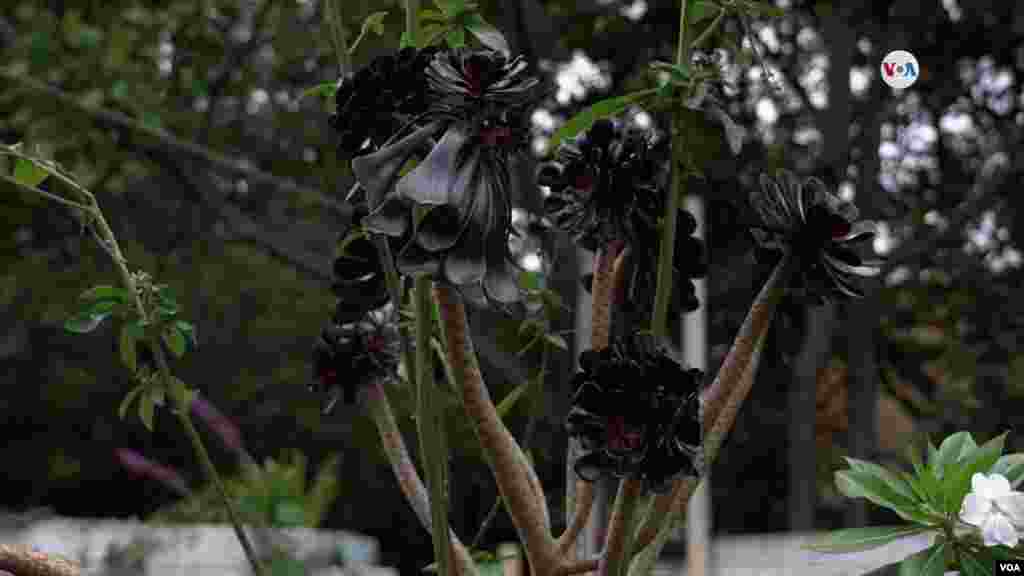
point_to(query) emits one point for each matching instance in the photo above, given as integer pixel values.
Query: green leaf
(603, 109)
(375, 23)
(451, 8)
(105, 292)
(957, 479)
(188, 331)
(491, 568)
(175, 341)
(860, 539)
(895, 482)
(126, 402)
(487, 34)
(678, 73)
(928, 562)
(289, 513)
(456, 37)
(29, 173)
(84, 323)
(131, 333)
(951, 450)
(863, 484)
(1011, 466)
(147, 407)
(531, 280)
(510, 400)
(557, 341)
(323, 91)
(971, 565)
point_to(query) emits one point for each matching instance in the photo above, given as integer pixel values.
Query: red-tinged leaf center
(622, 437)
(496, 136)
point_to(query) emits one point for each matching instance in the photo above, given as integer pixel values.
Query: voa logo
(1009, 568)
(899, 69)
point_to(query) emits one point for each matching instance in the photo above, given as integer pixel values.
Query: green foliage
(928, 562)
(860, 539)
(607, 108)
(277, 495)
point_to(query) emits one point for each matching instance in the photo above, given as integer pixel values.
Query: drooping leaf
(860, 539)
(126, 402)
(603, 109)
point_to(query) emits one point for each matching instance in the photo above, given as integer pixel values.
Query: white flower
(995, 508)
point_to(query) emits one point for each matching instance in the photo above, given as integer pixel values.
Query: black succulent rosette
(602, 184)
(635, 411)
(375, 103)
(820, 230)
(455, 203)
(352, 355)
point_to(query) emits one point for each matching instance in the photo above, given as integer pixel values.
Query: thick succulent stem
(408, 479)
(511, 469)
(720, 402)
(607, 278)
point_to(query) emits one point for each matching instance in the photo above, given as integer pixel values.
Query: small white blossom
(995, 508)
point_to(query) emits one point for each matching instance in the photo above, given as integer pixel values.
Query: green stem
(394, 284)
(430, 422)
(333, 13)
(177, 390)
(412, 22)
(709, 30)
(618, 548)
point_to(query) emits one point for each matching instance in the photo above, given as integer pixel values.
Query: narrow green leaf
(702, 11)
(863, 484)
(126, 402)
(323, 91)
(487, 34)
(1011, 466)
(107, 292)
(603, 109)
(892, 480)
(28, 173)
(130, 334)
(287, 566)
(860, 539)
(456, 37)
(510, 400)
(146, 409)
(175, 341)
(928, 562)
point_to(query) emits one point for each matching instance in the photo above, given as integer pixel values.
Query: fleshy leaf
(860, 539)
(487, 34)
(928, 562)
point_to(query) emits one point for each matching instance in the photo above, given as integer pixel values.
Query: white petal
(999, 530)
(998, 485)
(1012, 505)
(975, 509)
(978, 482)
